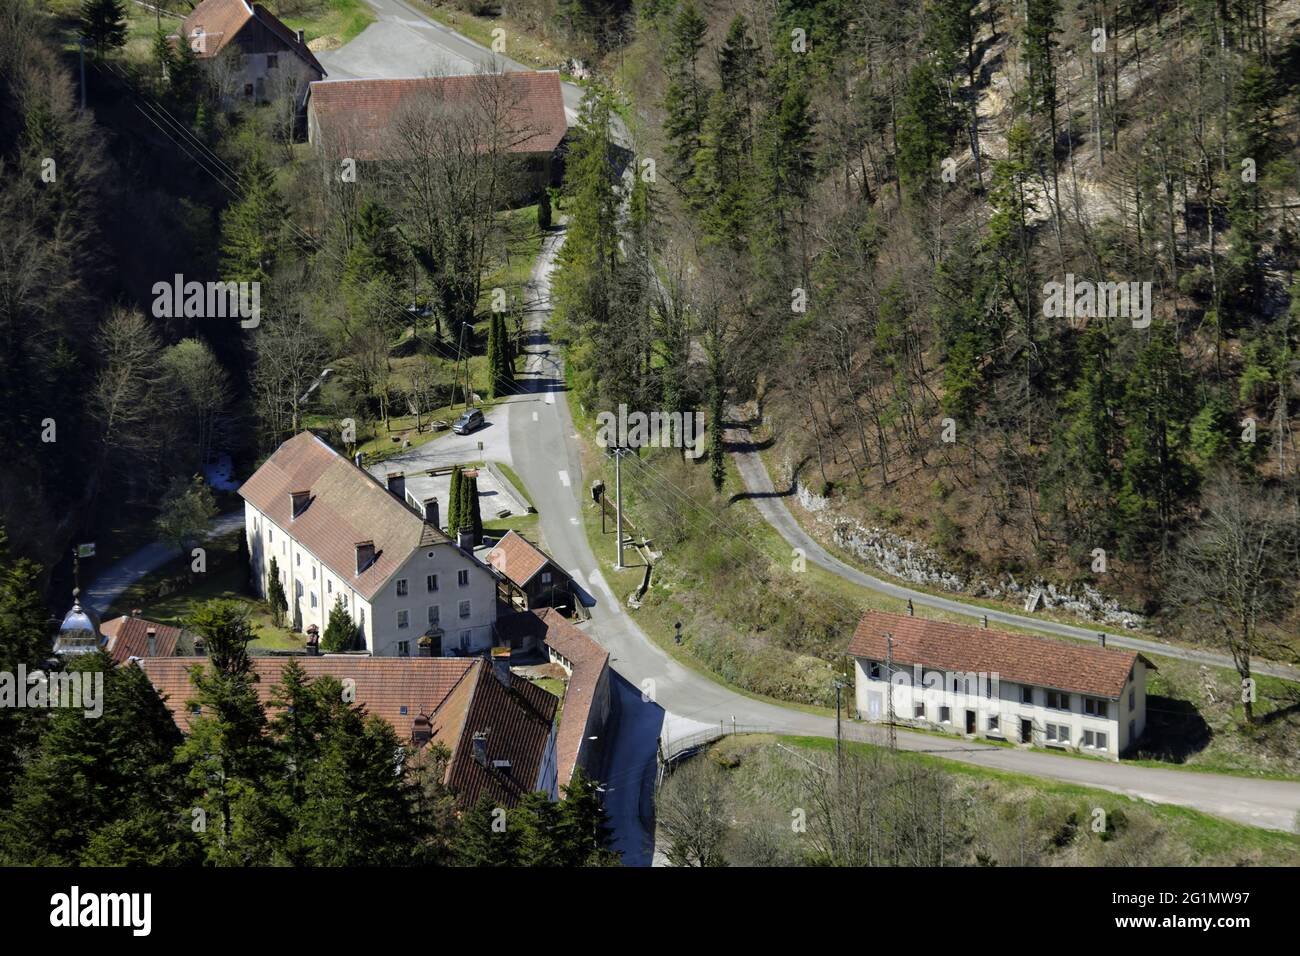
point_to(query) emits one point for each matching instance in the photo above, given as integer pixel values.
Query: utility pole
(839, 755)
(618, 503)
(889, 676)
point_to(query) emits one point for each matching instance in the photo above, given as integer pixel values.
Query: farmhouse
(265, 59)
(529, 578)
(499, 728)
(519, 113)
(337, 534)
(1013, 687)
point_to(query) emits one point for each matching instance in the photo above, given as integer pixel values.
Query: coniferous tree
(275, 594)
(252, 228)
(103, 24)
(453, 501)
(685, 97)
(341, 633)
(485, 836)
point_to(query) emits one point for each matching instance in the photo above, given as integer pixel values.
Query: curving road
(768, 501)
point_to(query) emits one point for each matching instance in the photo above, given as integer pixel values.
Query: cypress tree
(453, 501)
(471, 516)
(275, 595)
(341, 633)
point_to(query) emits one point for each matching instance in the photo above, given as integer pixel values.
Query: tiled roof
(384, 685)
(356, 117)
(222, 20)
(518, 558)
(460, 695)
(129, 637)
(588, 661)
(1043, 662)
(517, 722)
(347, 507)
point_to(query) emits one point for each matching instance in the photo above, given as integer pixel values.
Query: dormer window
(298, 501)
(365, 555)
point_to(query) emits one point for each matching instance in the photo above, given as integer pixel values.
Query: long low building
(983, 683)
(501, 729)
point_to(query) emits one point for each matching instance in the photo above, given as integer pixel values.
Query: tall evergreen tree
(103, 24)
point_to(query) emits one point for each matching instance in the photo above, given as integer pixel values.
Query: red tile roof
(460, 695)
(221, 21)
(1040, 661)
(588, 662)
(517, 722)
(518, 559)
(356, 117)
(347, 507)
(384, 685)
(129, 637)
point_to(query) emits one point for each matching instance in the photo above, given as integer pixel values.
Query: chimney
(135, 612)
(397, 485)
(365, 555)
(501, 664)
(200, 648)
(298, 503)
(910, 610)
(431, 511)
(356, 459)
(302, 38)
(480, 748)
(465, 539)
(151, 641)
(421, 730)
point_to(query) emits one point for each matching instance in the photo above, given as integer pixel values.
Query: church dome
(79, 633)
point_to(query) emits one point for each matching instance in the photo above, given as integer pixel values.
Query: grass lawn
(1212, 839)
(334, 22)
(527, 48)
(226, 583)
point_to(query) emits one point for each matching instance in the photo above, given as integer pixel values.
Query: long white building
(334, 531)
(1012, 687)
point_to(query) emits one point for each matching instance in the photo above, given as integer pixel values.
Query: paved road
(120, 575)
(682, 702)
(772, 507)
(405, 42)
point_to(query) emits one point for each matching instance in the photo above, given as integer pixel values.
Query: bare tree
(693, 815)
(1235, 573)
(289, 353)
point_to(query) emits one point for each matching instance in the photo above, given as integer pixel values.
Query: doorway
(970, 722)
(1026, 732)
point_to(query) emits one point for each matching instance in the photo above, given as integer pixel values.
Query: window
(462, 577)
(464, 640)
(1058, 734)
(298, 558)
(1132, 698)
(918, 709)
(403, 619)
(1096, 707)
(1094, 739)
(431, 583)
(313, 598)
(401, 587)
(993, 724)
(464, 608)
(270, 535)
(1058, 701)
(248, 89)
(403, 650)
(945, 715)
(329, 587)
(1026, 695)
(272, 61)
(546, 577)
(873, 670)
(434, 615)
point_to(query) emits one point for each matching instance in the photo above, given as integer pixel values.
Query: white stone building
(1013, 687)
(335, 532)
